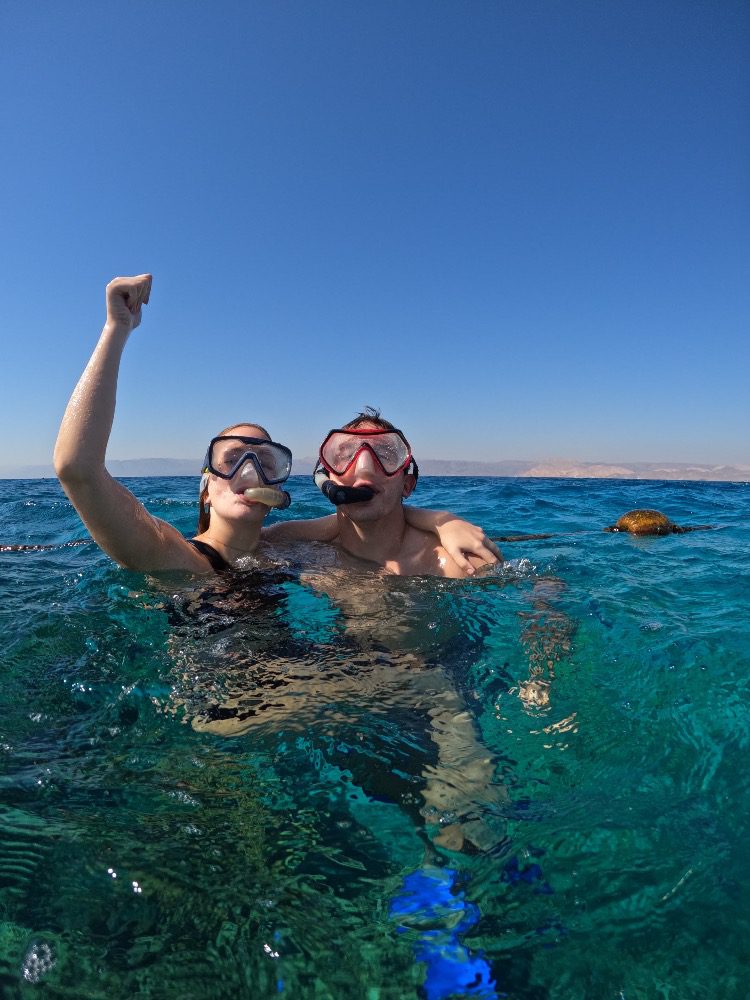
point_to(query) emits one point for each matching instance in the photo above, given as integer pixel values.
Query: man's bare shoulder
(422, 555)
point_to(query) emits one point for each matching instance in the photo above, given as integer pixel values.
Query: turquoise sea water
(216, 788)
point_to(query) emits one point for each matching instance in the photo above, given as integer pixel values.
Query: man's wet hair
(370, 415)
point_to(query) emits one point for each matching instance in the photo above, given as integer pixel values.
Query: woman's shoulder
(215, 558)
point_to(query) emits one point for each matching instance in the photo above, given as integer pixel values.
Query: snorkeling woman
(242, 475)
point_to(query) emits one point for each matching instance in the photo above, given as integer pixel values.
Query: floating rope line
(45, 548)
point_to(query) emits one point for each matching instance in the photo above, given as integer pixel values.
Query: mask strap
(320, 476)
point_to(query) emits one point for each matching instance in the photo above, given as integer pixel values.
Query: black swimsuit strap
(217, 560)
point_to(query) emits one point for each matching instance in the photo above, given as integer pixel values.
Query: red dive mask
(389, 448)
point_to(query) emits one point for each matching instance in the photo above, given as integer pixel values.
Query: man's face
(367, 471)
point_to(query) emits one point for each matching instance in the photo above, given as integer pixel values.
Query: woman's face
(227, 496)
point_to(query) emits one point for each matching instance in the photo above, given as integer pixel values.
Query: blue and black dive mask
(262, 463)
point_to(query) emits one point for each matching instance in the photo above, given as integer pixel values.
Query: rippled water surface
(299, 782)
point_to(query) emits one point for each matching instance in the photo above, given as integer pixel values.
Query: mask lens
(275, 461)
(391, 451)
(225, 455)
(339, 450)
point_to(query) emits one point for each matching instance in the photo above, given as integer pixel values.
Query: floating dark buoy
(652, 522)
(645, 522)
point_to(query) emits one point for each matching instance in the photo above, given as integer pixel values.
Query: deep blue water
(214, 789)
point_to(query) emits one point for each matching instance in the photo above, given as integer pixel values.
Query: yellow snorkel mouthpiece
(269, 496)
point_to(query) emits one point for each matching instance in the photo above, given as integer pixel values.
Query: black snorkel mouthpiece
(346, 494)
(341, 494)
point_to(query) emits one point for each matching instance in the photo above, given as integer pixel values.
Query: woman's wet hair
(204, 515)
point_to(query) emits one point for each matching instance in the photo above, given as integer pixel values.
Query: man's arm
(118, 522)
(460, 539)
(466, 546)
(313, 529)
(547, 638)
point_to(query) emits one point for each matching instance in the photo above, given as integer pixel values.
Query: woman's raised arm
(118, 522)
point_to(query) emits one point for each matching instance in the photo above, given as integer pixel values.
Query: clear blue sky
(519, 228)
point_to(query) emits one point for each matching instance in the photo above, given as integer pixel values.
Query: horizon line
(547, 468)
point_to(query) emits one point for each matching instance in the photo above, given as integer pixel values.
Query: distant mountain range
(563, 468)
(553, 468)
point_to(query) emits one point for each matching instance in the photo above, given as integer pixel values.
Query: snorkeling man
(366, 469)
